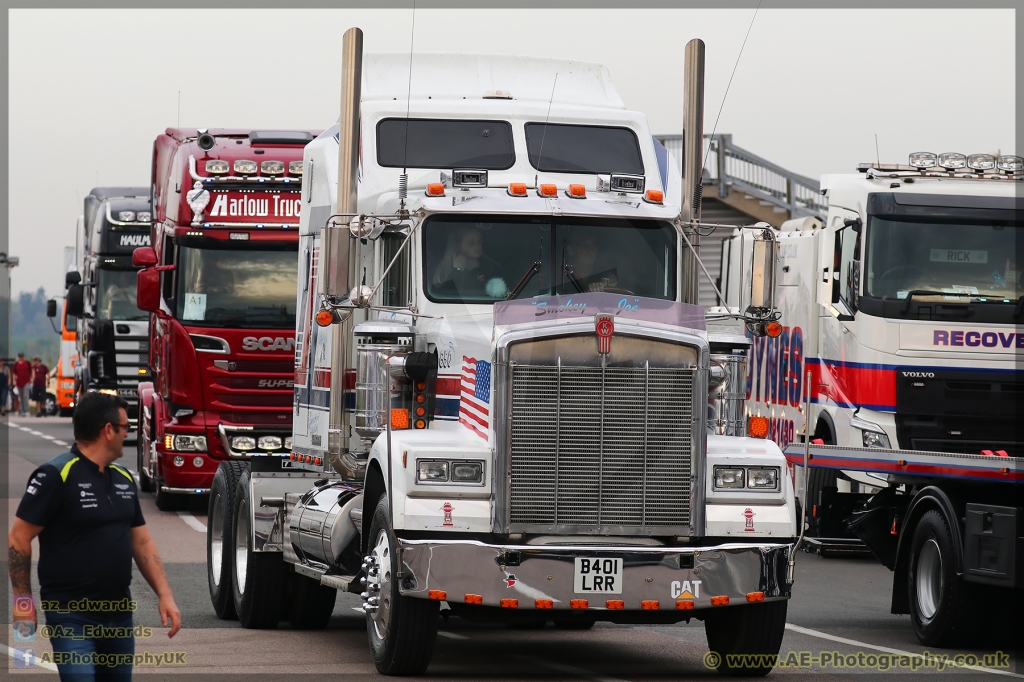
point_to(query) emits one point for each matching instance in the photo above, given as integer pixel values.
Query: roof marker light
(1010, 164)
(952, 160)
(654, 196)
(576, 191)
(435, 189)
(547, 191)
(517, 189)
(924, 160)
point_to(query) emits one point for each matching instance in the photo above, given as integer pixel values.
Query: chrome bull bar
(653, 578)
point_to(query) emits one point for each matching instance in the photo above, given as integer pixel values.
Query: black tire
(168, 502)
(746, 629)
(220, 529)
(258, 582)
(405, 642)
(50, 407)
(66, 412)
(310, 603)
(941, 612)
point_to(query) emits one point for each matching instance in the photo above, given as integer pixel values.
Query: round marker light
(197, 461)
(1010, 164)
(952, 160)
(179, 460)
(924, 160)
(757, 427)
(325, 318)
(981, 162)
(773, 329)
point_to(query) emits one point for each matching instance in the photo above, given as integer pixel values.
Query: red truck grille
(250, 400)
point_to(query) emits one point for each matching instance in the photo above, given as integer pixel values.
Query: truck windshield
(115, 296)
(482, 259)
(237, 288)
(958, 260)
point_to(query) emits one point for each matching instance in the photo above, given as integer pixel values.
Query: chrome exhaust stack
(693, 148)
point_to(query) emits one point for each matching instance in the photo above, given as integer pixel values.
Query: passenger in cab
(465, 270)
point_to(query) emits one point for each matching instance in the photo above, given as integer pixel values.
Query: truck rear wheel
(220, 539)
(748, 629)
(311, 604)
(401, 630)
(939, 601)
(259, 577)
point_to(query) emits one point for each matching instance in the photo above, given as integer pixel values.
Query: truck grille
(600, 449)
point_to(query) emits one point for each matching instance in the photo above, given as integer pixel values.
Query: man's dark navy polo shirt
(85, 548)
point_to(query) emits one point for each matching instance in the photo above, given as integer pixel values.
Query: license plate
(128, 392)
(598, 576)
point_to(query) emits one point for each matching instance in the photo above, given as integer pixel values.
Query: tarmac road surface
(839, 607)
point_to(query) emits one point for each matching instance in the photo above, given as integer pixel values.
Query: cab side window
(846, 267)
(168, 277)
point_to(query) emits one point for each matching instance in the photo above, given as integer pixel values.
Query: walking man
(39, 372)
(22, 383)
(85, 511)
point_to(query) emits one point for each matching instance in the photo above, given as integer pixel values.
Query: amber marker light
(439, 595)
(509, 603)
(577, 191)
(755, 596)
(517, 189)
(544, 604)
(684, 605)
(773, 329)
(654, 196)
(547, 191)
(474, 599)
(650, 605)
(399, 418)
(579, 603)
(757, 427)
(615, 604)
(435, 189)
(324, 318)
(721, 600)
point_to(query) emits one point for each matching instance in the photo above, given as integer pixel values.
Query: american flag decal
(474, 409)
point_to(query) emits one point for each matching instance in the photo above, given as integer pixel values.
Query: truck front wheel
(752, 629)
(401, 629)
(220, 540)
(939, 603)
(259, 577)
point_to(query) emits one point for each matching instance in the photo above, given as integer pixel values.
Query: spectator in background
(22, 372)
(4, 383)
(39, 372)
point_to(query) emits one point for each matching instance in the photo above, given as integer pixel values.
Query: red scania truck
(219, 282)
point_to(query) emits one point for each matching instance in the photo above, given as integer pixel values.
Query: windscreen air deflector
(561, 148)
(299, 137)
(441, 144)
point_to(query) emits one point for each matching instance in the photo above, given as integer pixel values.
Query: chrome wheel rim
(216, 541)
(928, 579)
(381, 583)
(241, 547)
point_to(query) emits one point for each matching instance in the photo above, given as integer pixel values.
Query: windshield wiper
(928, 292)
(1020, 307)
(574, 277)
(529, 274)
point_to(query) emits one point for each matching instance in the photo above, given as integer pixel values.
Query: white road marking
(47, 436)
(20, 656)
(36, 433)
(854, 642)
(359, 609)
(60, 442)
(192, 521)
(450, 635)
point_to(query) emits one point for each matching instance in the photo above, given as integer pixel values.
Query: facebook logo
(23, 658)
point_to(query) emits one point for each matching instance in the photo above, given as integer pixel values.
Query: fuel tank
(320, 526)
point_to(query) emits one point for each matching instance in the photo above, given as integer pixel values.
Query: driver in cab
(465, 270)
(582, 260)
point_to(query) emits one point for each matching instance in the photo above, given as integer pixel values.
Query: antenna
(878, 158)
(403, 180)
(540, 152)
(179, 108)
(715, 127)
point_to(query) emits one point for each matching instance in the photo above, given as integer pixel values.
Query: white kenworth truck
(903, 313)
(501, 395)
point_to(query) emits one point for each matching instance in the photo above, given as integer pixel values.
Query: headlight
(765, 479)
(243, 443)
(217, 167)
(873, 439)
(126, 216)
(247, 167)
(272, 167)
(270, 443)
(432, 471)
(144, 216)
(189, 443)
(467, 472)
(727, 477)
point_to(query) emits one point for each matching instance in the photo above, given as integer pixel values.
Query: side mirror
(762, 270)
(75, 298)
(72, 277)
(51, 308)
(335, 243)
(147, 292)
(144, 257)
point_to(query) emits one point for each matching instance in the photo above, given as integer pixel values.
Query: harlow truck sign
(254, 206)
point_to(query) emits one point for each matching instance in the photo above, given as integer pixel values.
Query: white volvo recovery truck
(501, 385)
(903, 313)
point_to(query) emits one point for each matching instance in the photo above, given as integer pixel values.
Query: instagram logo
(24, 607)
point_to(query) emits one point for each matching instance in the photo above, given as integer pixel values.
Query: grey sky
(89, 90)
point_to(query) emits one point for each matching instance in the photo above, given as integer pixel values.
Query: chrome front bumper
(653, 578)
